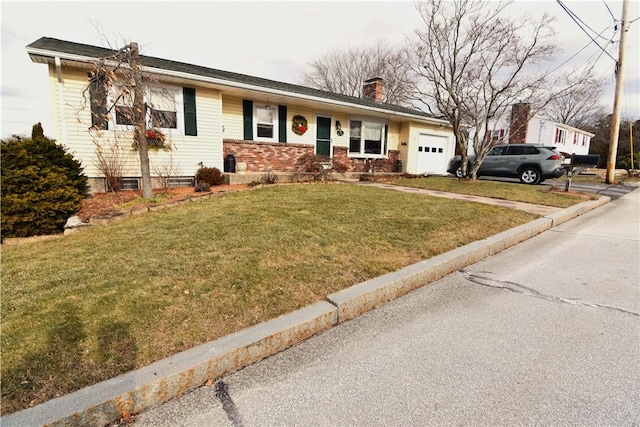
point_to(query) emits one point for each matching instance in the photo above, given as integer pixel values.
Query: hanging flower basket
(155, 140)
(299, 125)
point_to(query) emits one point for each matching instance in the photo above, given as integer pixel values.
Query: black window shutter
(190, 124)
(282, 123)
(98, 99)
(386, 136)
(247, 115)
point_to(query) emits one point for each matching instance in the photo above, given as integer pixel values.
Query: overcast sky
(274, 40)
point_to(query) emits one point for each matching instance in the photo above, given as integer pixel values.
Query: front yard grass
(89, 306)
(535, 194)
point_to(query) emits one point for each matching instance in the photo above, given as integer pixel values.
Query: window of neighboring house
(368, 138)
(561, 136)
(584, 140)
(497, 135)
(265, 123)
(575, 139)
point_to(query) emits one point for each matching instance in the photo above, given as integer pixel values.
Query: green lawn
(536, 194)
(94, 304)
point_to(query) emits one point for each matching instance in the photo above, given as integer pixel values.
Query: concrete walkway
(154, 384)
(527, 207)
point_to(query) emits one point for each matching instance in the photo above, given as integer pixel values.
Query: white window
(164, 109)
(561, 136)
(368, 138)
(123, 99)
(265, 123)
(497, 135)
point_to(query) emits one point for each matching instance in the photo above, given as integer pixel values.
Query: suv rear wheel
(530, 175)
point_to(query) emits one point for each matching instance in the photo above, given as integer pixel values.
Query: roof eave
(48, 56)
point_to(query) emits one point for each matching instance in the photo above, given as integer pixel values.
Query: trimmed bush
(211, 176)
(42, 185)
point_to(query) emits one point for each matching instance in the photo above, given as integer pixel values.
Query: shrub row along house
(209, 116)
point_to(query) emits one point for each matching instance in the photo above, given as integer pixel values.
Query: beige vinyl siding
(309, 136)
(188, 150)
(232, 120)
(340, 141)
(207, 146)
(403, 136)
(393, 136)
(73, 119)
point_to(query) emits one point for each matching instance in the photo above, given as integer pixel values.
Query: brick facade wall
(266, 156)
(280, 157)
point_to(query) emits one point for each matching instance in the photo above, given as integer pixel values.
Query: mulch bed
(109, 204)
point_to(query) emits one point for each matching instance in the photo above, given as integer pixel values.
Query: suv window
(497, 151)
(521, 150)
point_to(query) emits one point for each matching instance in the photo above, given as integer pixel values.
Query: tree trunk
(140, 117)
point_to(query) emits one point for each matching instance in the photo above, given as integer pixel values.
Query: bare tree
(577, 105)
(343, 71)
(472, 62)
(119, 85)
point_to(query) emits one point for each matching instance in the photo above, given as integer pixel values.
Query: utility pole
(617, 102)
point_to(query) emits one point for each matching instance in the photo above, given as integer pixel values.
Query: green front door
(323, 136)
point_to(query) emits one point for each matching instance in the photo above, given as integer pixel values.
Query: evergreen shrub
(42, 185)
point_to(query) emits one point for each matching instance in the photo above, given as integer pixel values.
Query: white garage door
(432, 155)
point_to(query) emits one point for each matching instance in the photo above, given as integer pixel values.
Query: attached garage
(433, 155)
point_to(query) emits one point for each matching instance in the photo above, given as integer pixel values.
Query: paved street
(544, 333)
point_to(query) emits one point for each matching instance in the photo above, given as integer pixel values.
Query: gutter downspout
(60, 85)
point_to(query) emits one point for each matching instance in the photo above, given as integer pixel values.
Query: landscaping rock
(74, 223)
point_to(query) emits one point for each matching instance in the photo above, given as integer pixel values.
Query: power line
(610, 13)
(573, 16)
(578, 52)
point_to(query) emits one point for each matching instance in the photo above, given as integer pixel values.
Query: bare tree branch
(471, 63)
(344, 71)
(576, 105)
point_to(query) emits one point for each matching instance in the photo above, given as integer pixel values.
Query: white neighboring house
(516, 129)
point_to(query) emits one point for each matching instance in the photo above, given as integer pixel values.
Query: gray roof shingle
(62, 46)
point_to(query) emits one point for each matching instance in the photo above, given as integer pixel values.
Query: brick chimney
(519, 123)
(372, 89)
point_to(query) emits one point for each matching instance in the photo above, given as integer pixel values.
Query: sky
(269, 39)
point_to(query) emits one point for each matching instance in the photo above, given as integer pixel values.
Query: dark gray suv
(531, 163)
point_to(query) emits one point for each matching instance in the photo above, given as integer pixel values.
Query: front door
(323, 135)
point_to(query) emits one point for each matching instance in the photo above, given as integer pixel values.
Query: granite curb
(152, 385)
